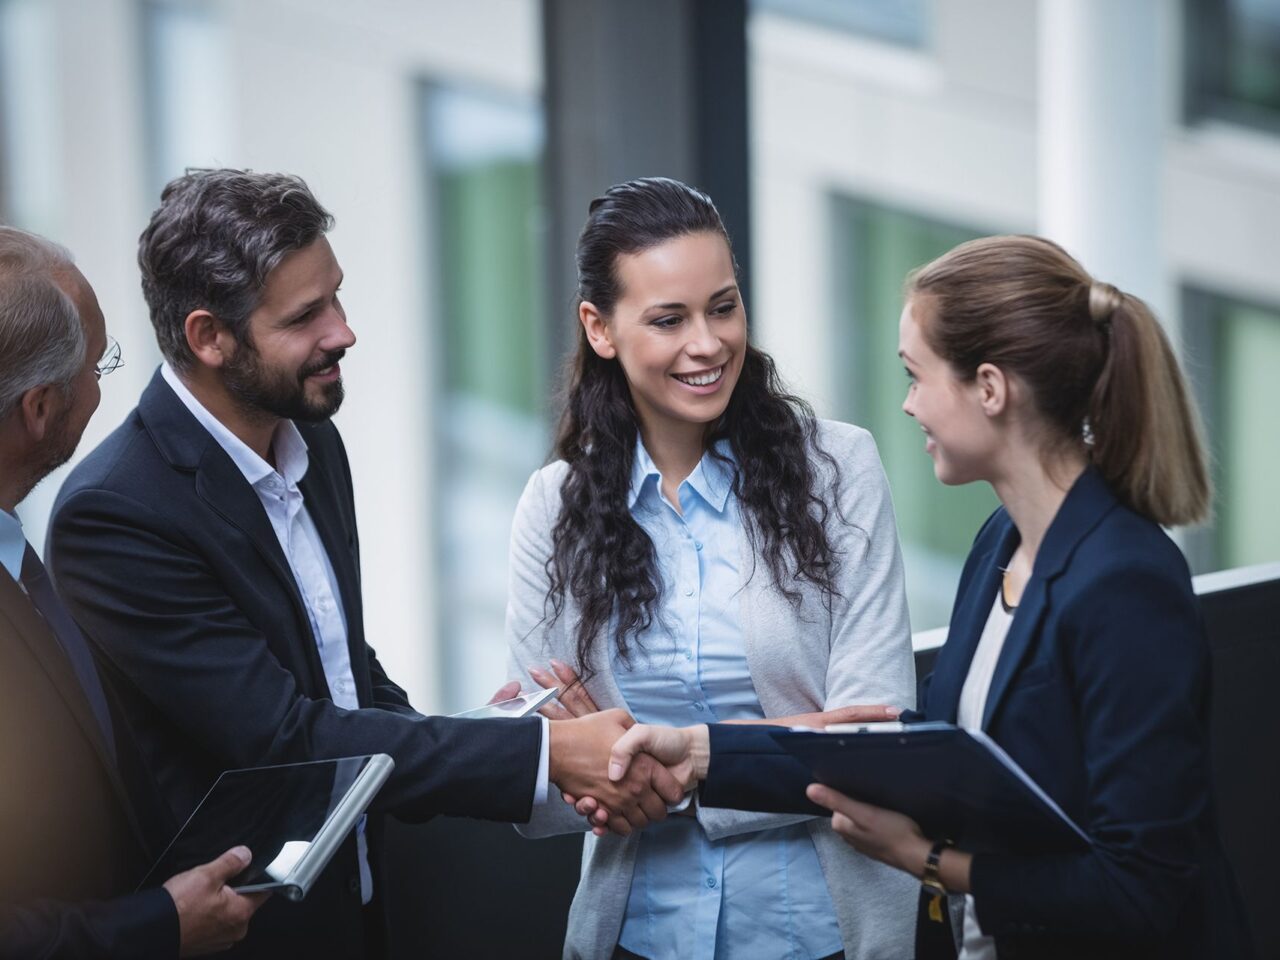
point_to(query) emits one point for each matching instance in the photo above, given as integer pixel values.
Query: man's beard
(261, 391)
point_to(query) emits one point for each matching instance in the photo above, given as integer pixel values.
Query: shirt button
(699, 707)
(711, 883)
(688, 654)
(688, 591)
(697, 544)
(353, 884)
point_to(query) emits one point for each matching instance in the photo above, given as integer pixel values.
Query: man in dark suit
(71, 837)
(210, 546)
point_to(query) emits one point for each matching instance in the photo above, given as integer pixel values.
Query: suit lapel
(967, 622)
(44, 646)
(1086, 503)
(188, 446)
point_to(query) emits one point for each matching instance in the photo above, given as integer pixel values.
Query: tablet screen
(274, 811)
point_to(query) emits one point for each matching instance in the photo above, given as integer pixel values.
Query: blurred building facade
(1145, 138)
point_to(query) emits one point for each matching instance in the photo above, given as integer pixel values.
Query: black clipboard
(955, 783)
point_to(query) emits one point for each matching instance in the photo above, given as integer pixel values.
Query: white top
(973, 702)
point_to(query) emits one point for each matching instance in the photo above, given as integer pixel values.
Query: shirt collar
(290, 449)
(712, 478)
(13, 544)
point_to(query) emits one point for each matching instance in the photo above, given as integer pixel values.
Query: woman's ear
(993, 389)
(596, 329)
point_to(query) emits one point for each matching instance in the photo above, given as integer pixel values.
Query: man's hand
(212, 916)
(580, 759)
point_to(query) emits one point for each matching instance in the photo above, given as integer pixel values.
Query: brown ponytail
(1098, 365)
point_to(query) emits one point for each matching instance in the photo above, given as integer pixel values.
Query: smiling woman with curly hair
(705, 548)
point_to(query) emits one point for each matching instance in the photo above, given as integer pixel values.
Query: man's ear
(993, 389)
(39, 407)
(208, 338)
(597, 330)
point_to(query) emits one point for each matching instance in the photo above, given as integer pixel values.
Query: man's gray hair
(210, 245)
(42, 340)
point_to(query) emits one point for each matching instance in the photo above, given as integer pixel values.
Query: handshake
(621, 776)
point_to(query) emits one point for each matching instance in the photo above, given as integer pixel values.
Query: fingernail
(557, 665)
(242, 854)
(615, 770)
(894, 711)
(536, 673)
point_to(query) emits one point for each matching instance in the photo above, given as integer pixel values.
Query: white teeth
(701, 379)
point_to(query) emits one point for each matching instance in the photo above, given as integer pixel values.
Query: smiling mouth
(701, 379)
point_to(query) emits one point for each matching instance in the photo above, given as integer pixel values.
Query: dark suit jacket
(1101, 696)
(166, 557)
(69, 838)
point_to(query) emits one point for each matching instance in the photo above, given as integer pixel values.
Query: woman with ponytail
(704, 548)
(1075, 641)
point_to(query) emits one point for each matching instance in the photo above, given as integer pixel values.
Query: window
(875, 249)
(1235, 347)
(1233, 61)
(32, 172)
(187, 88)
(904, 22)
(484, 168)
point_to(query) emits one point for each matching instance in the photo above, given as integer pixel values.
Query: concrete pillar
(1103, 106)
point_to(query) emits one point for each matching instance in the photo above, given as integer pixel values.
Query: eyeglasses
(111, 360)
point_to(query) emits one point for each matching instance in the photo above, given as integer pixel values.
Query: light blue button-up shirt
(13, 544)
(757, 895)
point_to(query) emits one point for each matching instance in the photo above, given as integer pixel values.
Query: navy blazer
(1101, 695)
(166, 557)
(72, 848)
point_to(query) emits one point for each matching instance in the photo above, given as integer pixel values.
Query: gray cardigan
(801, 660)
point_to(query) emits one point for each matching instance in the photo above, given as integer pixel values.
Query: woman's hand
(889, 837)
(573, 701)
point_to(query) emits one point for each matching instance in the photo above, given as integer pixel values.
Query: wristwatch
(930, 880)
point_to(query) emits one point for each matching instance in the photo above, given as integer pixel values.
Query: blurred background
(458, 143)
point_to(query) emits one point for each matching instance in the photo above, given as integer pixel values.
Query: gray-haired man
(71, 831)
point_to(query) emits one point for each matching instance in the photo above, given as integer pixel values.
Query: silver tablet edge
(343, 817)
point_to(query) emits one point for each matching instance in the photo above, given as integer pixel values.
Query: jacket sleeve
(1139, 666)
(143, 926)
(161, 616)
(870, 659)
(532, 635)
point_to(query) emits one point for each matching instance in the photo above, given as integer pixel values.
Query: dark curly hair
(600, 555)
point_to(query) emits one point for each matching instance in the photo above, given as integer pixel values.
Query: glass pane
(1253, 54)
(937, 523)
(1244, 436)
(904, 22)
(484, 152)
(188, 85)
(29, 116)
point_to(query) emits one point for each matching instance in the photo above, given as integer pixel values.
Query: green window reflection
(877, 247)
(489, 354)
(1238, 348)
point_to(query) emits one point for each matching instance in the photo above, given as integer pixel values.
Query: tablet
(292, 817)
(522, 706)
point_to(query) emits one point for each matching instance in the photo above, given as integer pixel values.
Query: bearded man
(209, 545)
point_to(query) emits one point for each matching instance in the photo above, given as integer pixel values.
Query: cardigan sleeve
(532, 636)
